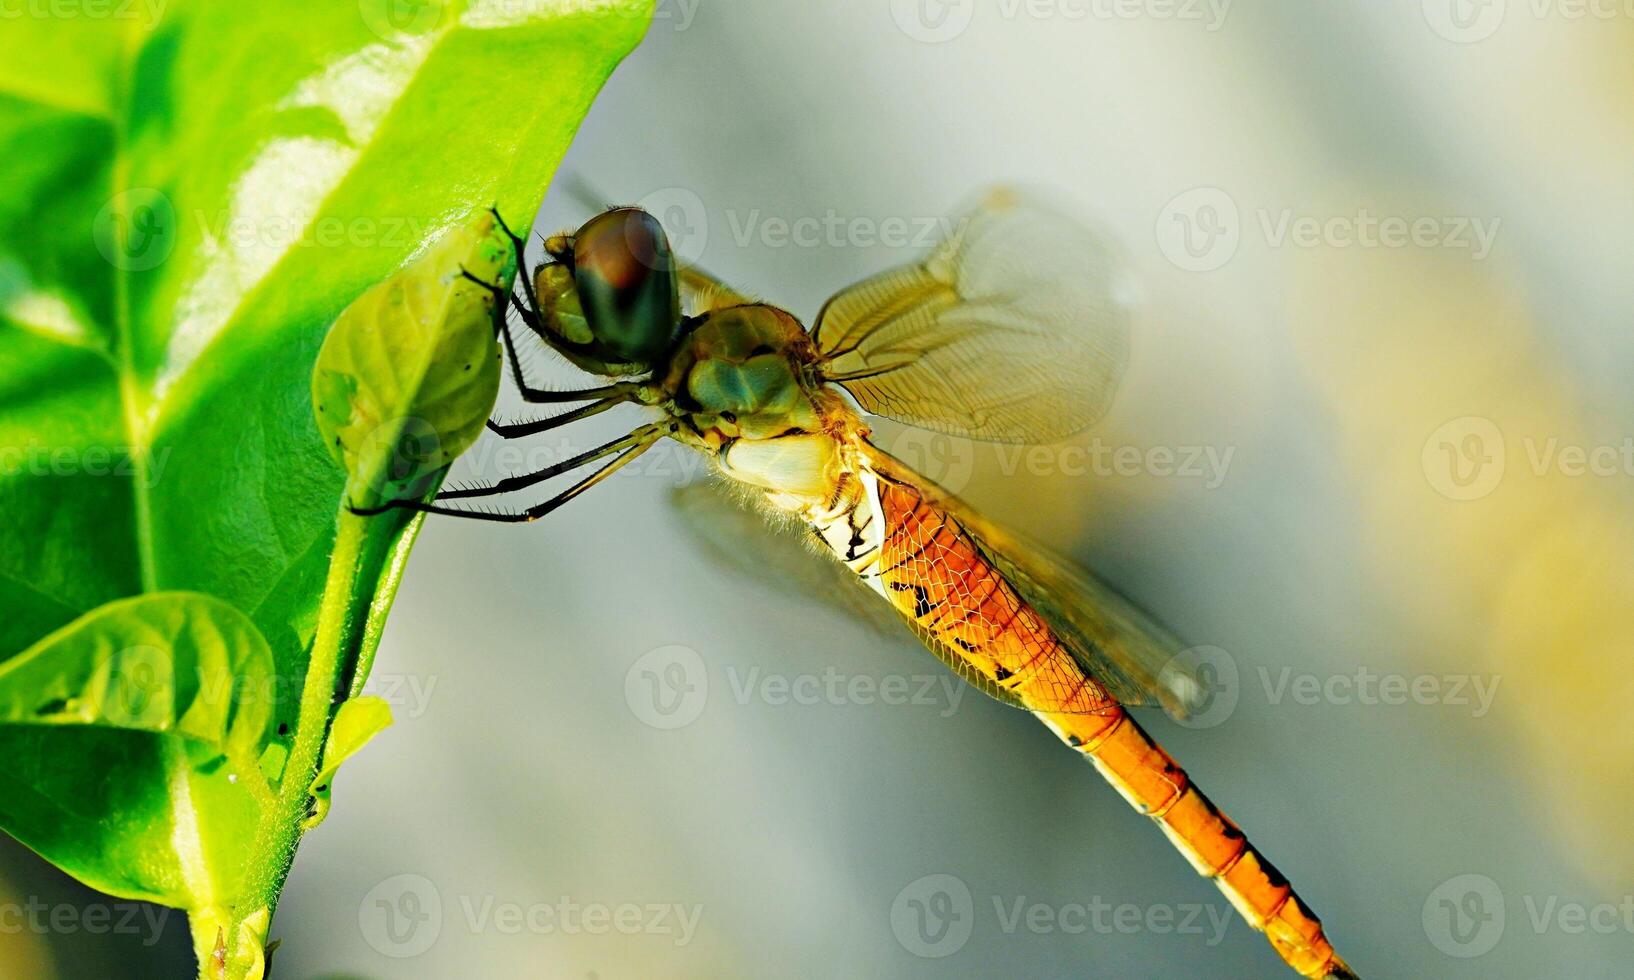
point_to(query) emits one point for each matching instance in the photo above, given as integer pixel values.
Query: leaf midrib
(135, 429)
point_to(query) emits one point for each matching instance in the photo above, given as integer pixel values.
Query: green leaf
(356, 723)
(407, 377)
(194, 192)
(174, 663)
(129, 746)
(189, 203)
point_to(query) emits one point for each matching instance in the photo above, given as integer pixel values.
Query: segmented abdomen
(935, 574)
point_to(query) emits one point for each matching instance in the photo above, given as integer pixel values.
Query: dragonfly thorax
(744, 380)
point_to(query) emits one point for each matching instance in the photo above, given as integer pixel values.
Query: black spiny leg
(602, 398)
(532, 513)
(605, 396)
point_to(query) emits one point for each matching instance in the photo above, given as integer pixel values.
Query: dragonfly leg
(530, 312)
(527, 305)
(529, 393)
(648, 433)
(513, 430)
(517, 517)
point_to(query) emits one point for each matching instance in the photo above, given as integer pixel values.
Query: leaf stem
(279, 832)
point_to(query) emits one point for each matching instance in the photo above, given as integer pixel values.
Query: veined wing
(980, 576)
(726, 526)
(738, 537)
(701, 292)
(1011, 330)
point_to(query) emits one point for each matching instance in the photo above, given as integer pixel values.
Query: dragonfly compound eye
(625, 276)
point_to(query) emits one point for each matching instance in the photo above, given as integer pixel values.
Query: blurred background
(1372, 455)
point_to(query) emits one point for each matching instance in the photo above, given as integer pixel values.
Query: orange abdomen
(936, 576)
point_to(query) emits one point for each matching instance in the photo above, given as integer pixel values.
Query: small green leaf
(177, 663)
(129, 746)
(356, 723)
(409, 372)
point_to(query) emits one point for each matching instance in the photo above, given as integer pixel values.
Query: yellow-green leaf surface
(179, 688)
(407, 377)
(194, 191)
(357, 721)
(176, 663)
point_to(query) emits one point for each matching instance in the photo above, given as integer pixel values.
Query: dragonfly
(1009, 330)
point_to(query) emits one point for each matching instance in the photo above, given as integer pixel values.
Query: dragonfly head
(611, 299)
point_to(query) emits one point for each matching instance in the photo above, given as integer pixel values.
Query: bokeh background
(1378, 415)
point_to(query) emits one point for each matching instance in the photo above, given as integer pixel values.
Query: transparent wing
(735, 534)
(701, 292)
(1119, 644)
(1012, 330)
(741, 538)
